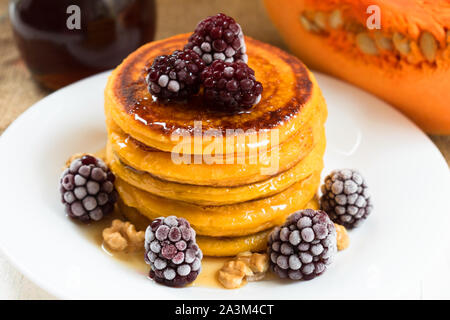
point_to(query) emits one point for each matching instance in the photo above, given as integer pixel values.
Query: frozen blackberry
(230, 85)
(218, 37)
(175, 76)
(304, 246)
(172, 252)
(346, 198)
(87, 189)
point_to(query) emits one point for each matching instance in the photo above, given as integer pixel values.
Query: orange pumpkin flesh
(416, 82)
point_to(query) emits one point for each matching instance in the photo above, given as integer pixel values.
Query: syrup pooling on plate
(94, 231)
(135, 260)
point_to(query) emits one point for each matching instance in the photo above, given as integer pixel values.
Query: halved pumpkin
(406, 62)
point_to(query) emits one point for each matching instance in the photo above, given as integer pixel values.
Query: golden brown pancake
(230, 220)
(216, 196)
(289, 92)
(216, 246)
(160, 164)
(311, 113)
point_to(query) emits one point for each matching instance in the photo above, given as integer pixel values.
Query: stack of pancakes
(271, 162)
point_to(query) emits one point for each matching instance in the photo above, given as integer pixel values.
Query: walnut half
(342, 238)
(233, 273)
(122, 236)
(247, 266)
(257, 262)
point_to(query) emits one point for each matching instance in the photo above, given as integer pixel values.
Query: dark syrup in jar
(107, 32)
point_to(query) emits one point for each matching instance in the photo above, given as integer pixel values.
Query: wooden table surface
(18, 91)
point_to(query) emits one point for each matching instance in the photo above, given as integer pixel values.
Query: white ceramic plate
(401, 251)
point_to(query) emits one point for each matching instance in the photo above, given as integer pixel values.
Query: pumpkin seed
(320, 20)
(308, 24)
(428, 46)
(382, 41)
(305, 22)
(366, 43)
(401, 43)
(335, 20)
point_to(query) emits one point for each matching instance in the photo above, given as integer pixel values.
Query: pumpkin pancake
(311, 113)
(160, 164)
(206, 195)
(230, 220)
(216, 246)
(290, 94)
(231, 246)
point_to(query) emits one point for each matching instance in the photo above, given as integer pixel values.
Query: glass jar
(62, 41)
